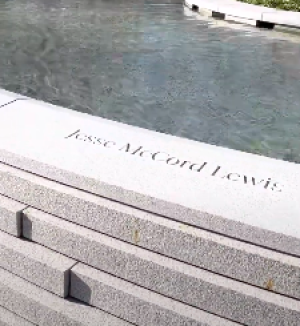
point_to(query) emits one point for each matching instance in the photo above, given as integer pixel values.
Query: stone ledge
(256, 196)
(198, 288)
(10, 216)
(146, 202)
(8, 318)
(285, 18)
(135, 304)
(260, 267)
(139, 305)
(46, 309)
(36, 264)
(234, 10)
(7, 97)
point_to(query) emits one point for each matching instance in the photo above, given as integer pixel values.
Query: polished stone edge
(44, 308)
(7, 318)
(10, 216)
(139, 305)
(7, 97)
(280, 273)
(234, 10)
(135, 304)
(36, 264)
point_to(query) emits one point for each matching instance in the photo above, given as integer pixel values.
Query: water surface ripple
(157, 65)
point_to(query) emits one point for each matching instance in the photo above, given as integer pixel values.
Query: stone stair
(59, 267)
(77, 252)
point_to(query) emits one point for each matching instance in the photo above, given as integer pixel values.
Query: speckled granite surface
(244, 196)
(169, 241)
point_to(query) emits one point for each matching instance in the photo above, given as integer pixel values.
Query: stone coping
(238, 10)
(6, 97)
(240, 195)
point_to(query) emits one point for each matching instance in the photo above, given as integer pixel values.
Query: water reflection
(149, 64)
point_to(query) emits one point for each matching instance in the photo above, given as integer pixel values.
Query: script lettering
(172, 161)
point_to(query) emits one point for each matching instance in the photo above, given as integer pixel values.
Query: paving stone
(134, 304)
(8, 318)
(244, 196)
(37, 264)
(143, 307)
(46, 309)
(197, 287)
(10, 216)
(241, 261)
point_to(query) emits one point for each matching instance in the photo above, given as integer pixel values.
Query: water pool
(157, 65)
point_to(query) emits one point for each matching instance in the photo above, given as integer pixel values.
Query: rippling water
(157, 65)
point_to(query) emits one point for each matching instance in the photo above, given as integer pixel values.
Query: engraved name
(214, 170)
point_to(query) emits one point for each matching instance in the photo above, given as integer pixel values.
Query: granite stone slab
(39, 265)
(43, 308)
(245, 13)
(281, 17)
(232, 258)
(231, 8)
(142, 307)
(7, 97)
(252, 13)
(135, 304)
(241, 195)
(10, 216)
(203, 4)
(8, 318)
(197, 287)
(243, 10)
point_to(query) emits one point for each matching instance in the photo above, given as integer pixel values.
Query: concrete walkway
(238, 11)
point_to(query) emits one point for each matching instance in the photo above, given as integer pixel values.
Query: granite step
(142, 307)
(36, 264)
(135, 304)
(139, 259)
(240, 195)
(219, 254)
(43, 308)
(193, 286)
(10, 216)
(8, 318)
